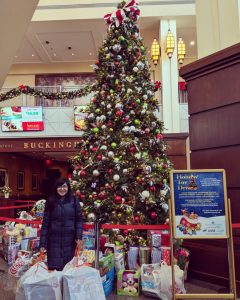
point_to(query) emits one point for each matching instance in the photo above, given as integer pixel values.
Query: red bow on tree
(118, 16)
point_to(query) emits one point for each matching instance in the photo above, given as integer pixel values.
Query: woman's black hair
(54, 195)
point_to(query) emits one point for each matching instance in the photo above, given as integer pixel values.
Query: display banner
(199, 206)
(17, 118)
(79, 117)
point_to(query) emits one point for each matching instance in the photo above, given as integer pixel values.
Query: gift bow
(118, 16)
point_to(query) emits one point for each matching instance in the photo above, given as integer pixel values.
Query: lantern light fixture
(181, 50)
(170, 44)
(155, 51)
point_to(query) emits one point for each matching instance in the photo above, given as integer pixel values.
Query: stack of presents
(145, 269)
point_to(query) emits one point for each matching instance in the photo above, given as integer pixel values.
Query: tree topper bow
(117, 17)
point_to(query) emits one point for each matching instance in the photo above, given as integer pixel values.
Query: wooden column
(213, 85)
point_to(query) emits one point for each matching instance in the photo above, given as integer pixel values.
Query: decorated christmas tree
(121, 170)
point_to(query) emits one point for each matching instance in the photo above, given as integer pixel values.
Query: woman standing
(62, 226)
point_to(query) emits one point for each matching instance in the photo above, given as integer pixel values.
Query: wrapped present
(11, 253)
(154, 238)
(106, 263)
(21, 264)
(151, 280)
(156, 255)
(87, 257)
(88, 239)
(108, 281)
(144, 255)
(166, 240)
(166, 255)
(133, 258)
(128, 282)
(119, 262)
(104, 238)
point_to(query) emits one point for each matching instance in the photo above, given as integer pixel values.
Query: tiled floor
(8, 287)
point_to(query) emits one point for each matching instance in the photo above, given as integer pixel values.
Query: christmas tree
(121, 170)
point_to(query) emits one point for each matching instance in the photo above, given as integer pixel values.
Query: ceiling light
(90, 53)
(181, 50)
(33, 55)
(170, 44)
(54, 54)
(73, 53)
(15, 56)
(192, 43)
(155, 51)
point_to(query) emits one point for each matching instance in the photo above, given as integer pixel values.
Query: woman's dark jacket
(62, 225)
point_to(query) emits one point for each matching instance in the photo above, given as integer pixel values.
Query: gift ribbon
(117, 17)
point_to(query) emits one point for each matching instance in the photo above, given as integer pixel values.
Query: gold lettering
(25, 145)
(68, 144)
(40, 145)
(60, 144)
(32, 145)
(75, 144)
(47, 145)
(54, 144)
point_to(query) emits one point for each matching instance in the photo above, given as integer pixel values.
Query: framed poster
(17, 118)
(199, 204)
(34, 182)
(20, 180)
(3, 178)
(79, 117)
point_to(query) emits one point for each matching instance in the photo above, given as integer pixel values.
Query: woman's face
(62, 190)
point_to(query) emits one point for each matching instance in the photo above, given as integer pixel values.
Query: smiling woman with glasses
(62, 226)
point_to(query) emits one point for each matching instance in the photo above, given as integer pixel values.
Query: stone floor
(8, 287)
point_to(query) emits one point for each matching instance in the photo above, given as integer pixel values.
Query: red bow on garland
(182, 85)
(157, 85)
(118, 16)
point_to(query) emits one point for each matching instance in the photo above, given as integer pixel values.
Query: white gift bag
(39, 283)
(81, 282)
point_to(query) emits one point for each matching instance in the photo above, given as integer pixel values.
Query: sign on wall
(17, 118)
(79, 117)
(199, 204)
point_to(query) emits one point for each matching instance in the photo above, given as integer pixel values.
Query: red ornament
(119, 113)
(99, 157)
(125, 232)
(83, 152)
(48, 162)
(159, 136)
(110, 171)
(153, 188)
(126, 119)
(94, 195)
(109, 124)
(157, 85)
(94, 100)
(132, 149)
(97, 62)
(94, 149)
(83, 173)
(153, 215)
(164, 166)
(118, 199)
(102, 196)
(82, 196)
(136, 219)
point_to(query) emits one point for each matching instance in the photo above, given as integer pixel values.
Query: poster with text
(199, 204)
(22, 118)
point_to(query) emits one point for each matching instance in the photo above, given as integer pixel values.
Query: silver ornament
(110, 154)
(116, 177)
(96, 173)
(165, 207)
(126, 129)
(104, 127)
(103, 148)
(145, 97)
(116, 47)
(118, 105)
(145, 194)
(91, 217)
(125, 171)
(135, 69)
(109, 106)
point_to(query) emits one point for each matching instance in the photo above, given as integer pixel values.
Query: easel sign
(199, 204)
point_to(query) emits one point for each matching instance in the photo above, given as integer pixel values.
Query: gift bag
(166, 280)
(39, 283)
(81, 282)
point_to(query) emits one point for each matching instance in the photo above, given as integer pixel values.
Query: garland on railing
(27, 90)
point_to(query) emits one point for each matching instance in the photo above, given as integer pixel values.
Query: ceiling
(79, 40)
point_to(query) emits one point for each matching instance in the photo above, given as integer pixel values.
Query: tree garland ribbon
(27, 90)
(117, 17)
